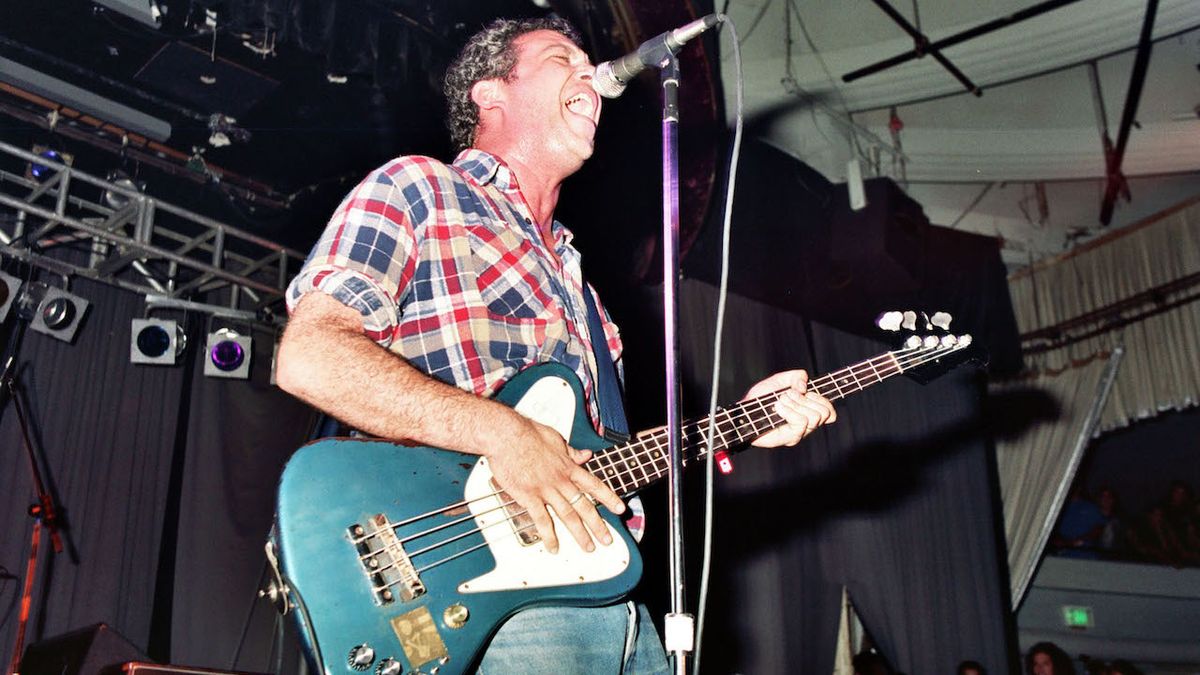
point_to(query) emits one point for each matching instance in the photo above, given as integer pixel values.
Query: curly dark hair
(1059, 658)
(489, 54)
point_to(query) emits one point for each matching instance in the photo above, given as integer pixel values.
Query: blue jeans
(584, 640)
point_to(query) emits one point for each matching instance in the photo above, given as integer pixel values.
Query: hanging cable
(723, 289)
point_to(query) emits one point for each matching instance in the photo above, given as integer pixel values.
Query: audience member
(1093, 666)
(1112, 536)
(1151, 540)
(1180, 515)
(1080, 527)
(971, 668)
(871, 662)
(1047, 658)
(1123, 667)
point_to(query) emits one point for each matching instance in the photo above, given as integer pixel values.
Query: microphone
(612, 76)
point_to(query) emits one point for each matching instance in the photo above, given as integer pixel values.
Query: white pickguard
(549, 401)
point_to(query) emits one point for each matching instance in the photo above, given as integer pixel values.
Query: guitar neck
(632, 466)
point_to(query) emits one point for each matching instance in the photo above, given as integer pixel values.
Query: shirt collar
(484, 167)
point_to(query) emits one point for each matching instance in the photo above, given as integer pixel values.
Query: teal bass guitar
(396, 559)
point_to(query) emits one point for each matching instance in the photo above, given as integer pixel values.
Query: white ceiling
(975, 163)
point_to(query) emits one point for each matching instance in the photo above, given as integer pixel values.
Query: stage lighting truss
(228, 354)
(156, 341)
(137, 242)
(52, 311)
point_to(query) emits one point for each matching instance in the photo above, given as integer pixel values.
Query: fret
(609, 472)
(639, 466)
(834, 383)
(638, 463)
(858, 386)
(726, 425)
(635, 465)
(843, 383)
(878, 377)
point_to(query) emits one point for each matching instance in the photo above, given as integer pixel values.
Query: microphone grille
(605, 82)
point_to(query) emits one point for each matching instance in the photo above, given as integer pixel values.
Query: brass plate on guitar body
(419, 636)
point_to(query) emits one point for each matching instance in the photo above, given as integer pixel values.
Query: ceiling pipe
(1116, 183)
(981, 29)
(923, 46)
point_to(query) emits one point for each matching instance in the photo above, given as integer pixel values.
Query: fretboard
(632, 466)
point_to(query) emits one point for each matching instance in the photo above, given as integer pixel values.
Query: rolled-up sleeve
(367, 254)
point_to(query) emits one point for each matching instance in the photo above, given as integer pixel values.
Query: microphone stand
(43, 511)
(679, 627)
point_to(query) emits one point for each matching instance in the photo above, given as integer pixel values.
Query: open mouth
(583, 105)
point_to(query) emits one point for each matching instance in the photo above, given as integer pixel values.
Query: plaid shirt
(448, 269)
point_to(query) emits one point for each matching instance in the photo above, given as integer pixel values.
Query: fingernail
(589, 547)
(605, 538)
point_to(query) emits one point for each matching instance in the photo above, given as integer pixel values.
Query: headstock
(923, 357)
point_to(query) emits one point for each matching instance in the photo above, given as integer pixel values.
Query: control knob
(361, 657)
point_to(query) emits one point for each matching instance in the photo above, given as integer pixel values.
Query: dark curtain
(239, 434)
(894, 502)
(166, 480)
(105, 429)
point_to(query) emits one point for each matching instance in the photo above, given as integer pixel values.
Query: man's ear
(487, 94)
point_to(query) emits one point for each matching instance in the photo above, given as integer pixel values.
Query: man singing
(434, 283)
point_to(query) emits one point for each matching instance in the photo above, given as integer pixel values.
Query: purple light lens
(227, 355)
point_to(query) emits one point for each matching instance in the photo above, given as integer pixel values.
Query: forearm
(326, 360)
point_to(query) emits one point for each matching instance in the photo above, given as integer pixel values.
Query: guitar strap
(608, 389)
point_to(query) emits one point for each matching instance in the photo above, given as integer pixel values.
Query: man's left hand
(802, 410)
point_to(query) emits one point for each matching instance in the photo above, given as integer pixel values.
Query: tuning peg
(941, 320)
(889, 321)
(910, 320)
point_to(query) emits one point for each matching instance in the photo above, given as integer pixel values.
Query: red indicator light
(724, 463)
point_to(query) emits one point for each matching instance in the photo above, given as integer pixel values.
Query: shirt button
(528, 221)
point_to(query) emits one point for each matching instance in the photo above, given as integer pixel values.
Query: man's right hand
(536, 467)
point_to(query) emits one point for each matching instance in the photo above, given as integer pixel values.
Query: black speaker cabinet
(882, 245)
(95, 650)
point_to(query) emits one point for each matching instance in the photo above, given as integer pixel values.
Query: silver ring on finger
(575, 500)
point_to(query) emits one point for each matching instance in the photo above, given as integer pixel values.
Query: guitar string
(930, 354)
(516, 530)
(924, 355)
(762, 403)
(772, 396)
(653, 438)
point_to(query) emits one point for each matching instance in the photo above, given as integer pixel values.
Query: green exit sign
(1079, 618)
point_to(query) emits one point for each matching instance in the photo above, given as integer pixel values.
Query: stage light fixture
(41, 172)
(148, 12)
(156, 341)
(10, 287)
(228, 354)
(119, 200)
(53, 311)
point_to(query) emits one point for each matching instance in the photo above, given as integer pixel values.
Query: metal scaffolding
(175, 257)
